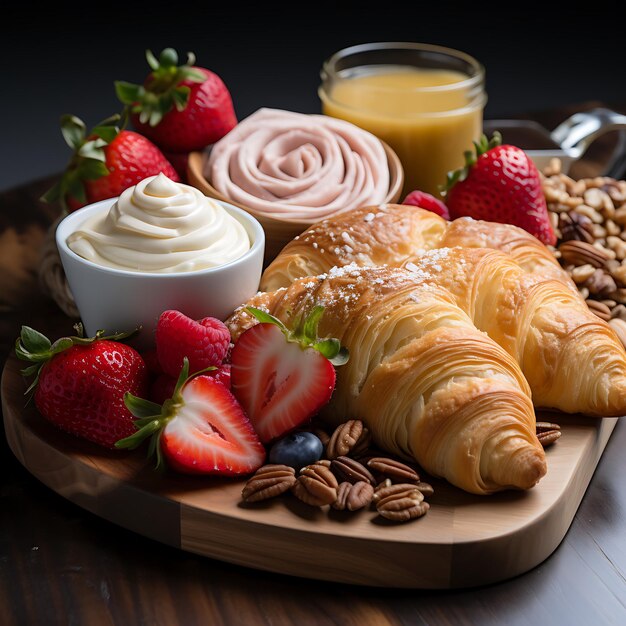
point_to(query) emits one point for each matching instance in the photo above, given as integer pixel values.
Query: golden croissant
(390, 233)
(572, 359)
(428, 384)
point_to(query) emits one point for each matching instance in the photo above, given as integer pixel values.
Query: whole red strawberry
(180, 108)
(80, 382)
(204, 342)
(500, 183)
(105, 162)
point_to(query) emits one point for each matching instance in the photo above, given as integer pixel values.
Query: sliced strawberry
(282, 378)
(202, 429)
(204, 342)
(211, 434)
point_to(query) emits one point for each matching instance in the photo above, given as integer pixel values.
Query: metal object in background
(569, 141)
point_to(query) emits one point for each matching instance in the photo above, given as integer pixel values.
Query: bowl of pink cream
(290, 170)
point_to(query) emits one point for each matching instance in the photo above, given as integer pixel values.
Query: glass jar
(425, 101)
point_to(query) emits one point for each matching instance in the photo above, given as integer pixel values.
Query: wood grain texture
(465, 540)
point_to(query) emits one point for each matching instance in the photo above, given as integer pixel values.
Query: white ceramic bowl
(120, 300)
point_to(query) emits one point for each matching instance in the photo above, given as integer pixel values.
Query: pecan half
(316, 485)
(547, 433)
(600, 309)
(269, 481)
(400, 503)
(351, 471)
(396, 470)
(353, 496)
(352, 437)
(581, 252)
(426, 488)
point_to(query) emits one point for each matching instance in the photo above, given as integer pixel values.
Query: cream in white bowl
(202, 266)
(161, 226)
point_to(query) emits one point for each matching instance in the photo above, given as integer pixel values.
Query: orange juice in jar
(425, 101)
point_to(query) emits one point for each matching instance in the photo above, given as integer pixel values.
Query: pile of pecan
(589, 219)
(351, 476)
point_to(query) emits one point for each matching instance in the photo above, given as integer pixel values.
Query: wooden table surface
(62, 565)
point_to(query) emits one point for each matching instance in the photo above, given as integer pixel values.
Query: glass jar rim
(329, 65)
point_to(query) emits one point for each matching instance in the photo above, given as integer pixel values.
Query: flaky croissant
(428, 384)
(523, 299)
(572, 359)
(390, 233)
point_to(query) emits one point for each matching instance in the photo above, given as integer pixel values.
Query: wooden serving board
(463, 541)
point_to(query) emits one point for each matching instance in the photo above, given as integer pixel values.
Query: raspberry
(425, 201)
(204, 342)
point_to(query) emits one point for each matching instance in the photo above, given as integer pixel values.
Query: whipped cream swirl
(161, 226)
(289, 165)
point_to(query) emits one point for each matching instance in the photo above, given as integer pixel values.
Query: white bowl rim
(69, 223)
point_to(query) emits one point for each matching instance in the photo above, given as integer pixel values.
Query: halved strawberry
(202, 429)
(283, 377)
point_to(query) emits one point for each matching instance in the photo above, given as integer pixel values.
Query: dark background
(59, 60)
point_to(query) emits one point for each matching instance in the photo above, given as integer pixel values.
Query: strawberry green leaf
(328, 347)
(33, 340)
(53, 194)
(30, 370)
(136, 439)
(266, 318)
(93, 170)
(180, 95)
(153, 62)
(73, 131)
(75, 188)
(155, 117)
(61, 344)
(106, 133)
(312, 322)
(141, 408)
(127, 93)
(194, 75)
(168, 58)
(93, 150)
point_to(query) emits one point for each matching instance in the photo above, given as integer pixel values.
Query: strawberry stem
(305, 333)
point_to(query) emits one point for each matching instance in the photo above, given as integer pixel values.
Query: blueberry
(297, 450)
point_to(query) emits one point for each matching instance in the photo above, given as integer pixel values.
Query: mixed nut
(589, 219)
